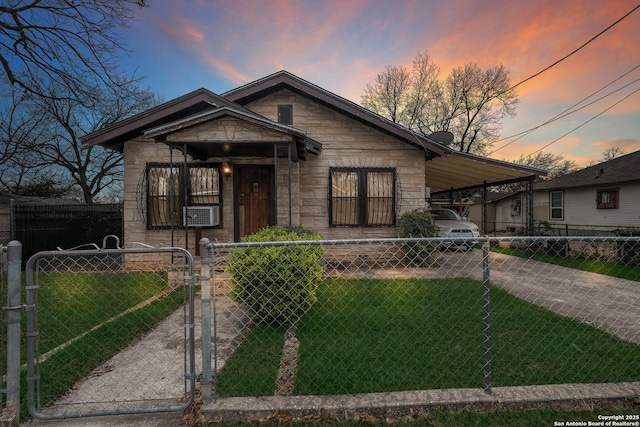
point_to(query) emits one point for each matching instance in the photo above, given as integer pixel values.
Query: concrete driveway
(609, 303)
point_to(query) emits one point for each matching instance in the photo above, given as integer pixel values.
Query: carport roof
(461, 171)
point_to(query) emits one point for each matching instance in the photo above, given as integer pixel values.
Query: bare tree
(470, 102)
(389, 96)
(70, 44)
(62, 59)
(554, 164)
(18, 128)
(611, 153)
(91, 170)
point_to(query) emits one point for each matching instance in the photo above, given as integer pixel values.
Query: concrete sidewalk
(403, 405)
(148, 373)
(395, 405)
(139, 420)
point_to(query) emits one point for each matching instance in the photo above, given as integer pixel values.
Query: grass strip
(70, 304)
(593, 266)
(253, 369)
(464, 418)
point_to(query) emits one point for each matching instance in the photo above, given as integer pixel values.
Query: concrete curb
(398, 405)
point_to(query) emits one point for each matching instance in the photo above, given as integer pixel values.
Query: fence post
(486, 300)
(205, 289)
(14, 280)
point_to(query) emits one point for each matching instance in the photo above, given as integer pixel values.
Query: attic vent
(285, 114)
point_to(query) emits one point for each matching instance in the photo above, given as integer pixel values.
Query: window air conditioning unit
(201, 216)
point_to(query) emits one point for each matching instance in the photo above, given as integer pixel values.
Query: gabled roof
(285, 80)
(615, 171)
(447, 169)
(194, 102)
(205, 150)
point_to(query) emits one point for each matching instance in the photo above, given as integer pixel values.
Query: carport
(456, 172)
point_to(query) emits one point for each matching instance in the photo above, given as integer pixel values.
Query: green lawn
(594, 266)
(365, 335)
(88, 313)
(70, 304)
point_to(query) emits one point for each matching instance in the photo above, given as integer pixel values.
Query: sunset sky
(341, 45)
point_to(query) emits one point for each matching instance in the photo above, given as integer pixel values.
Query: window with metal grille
(607, 198)
(556, 205)
(362, 197)
(171, 187)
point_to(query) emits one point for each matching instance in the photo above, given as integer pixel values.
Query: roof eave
(115, 134)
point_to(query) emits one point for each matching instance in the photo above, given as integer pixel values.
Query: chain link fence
(546, 228)
(97, 320)
(49, 227)
(415, 314)
(3, 323)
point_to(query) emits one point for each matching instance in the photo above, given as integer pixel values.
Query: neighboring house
(279, 150)
(603, 195)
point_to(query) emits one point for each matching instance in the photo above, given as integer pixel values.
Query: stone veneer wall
(346, 143)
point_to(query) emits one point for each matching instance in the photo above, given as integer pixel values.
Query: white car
(452, 225)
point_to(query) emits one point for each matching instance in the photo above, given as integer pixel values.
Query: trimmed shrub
(418, 223)
(277, 283)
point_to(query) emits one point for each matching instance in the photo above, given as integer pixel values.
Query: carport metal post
(486, 317)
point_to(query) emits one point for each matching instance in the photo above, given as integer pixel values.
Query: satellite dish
(443, 137)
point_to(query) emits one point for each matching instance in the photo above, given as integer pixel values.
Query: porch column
(484, 208)
(289, 165)
(275, 178)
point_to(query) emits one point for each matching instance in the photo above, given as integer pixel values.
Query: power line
(574, 51)
(570, 110)
(584, 123)
(559, 60)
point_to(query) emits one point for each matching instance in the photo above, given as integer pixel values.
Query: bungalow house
(279, 150)
(605, 195)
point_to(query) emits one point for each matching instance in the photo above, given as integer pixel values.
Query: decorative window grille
(172, 187)
(608, 198)
(362, 197)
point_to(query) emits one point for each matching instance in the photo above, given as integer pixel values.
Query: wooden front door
(254, 200)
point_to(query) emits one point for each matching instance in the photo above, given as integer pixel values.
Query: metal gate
(109, 331)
